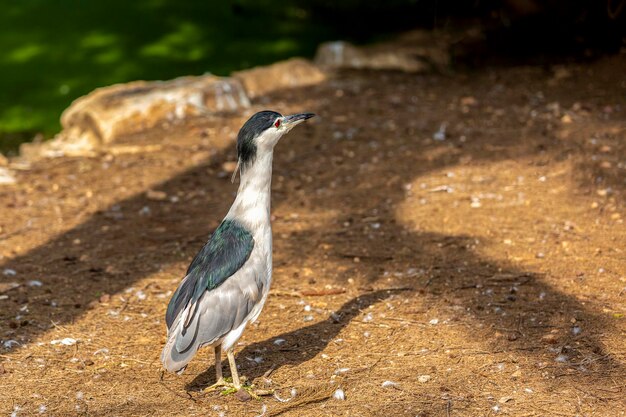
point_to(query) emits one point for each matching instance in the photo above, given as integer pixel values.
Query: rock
(229, 166)
(110, 112)
(550, 338)
(295, 72)
(416, 51)
(6, 176)
(243, 395)
(62, 145)
(340, 54)
(156, 195)
(339, 394)
(423, 378)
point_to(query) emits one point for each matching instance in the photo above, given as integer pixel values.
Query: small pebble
(68, 341)
(423, 378)
(390, 384)
(339, 395)
(9, 272)
(441, 133)
(8, 344)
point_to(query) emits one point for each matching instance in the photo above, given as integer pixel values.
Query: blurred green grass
(56, 51)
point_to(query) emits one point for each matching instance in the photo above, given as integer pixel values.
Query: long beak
(295, 119)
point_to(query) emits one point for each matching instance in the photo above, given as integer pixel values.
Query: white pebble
(103, 351)
(140, 295)
(9, 272)
(6, 177)
(368, 317)
(341, 371)
(8, 344)
(434, 321)
(390, 384)
(339, 395)
(80, 395)
(34, 283)
(528, 390)
(279, 342)
(68, 341)
(441, 133)
(42, 409)
(423, 378)
(561, 358)
(576, 330)
(307, 308)
(308, 318)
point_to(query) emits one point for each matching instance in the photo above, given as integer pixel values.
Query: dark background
(54, 52)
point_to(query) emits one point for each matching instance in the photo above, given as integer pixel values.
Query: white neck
(252, 205)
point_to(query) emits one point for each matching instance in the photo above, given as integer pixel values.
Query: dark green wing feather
(225, 252)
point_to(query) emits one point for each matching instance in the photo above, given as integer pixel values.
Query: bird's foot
(243, 392)
(221, 383)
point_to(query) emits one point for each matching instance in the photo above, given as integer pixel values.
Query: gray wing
(218, 312)
(224, 254)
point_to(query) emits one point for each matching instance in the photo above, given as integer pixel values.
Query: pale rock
(339, 395)
(416, 51)
(119, 110)
(423, 378)
(295, 72)
(6, 176)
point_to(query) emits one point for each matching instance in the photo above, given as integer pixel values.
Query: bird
(227, 282)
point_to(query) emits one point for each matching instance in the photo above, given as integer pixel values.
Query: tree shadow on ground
(355, 186)
(300, 345)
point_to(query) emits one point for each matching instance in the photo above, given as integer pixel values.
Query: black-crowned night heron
(227, 282)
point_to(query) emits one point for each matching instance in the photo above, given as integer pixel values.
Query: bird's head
(262, 132)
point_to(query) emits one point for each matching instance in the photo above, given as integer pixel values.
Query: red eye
(277, 124)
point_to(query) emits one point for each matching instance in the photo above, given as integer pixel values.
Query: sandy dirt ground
(445, 245)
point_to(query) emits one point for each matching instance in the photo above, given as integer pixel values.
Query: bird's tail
(182, 344)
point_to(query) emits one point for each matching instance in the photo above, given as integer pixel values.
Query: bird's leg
(233, 369)
(219, 378)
